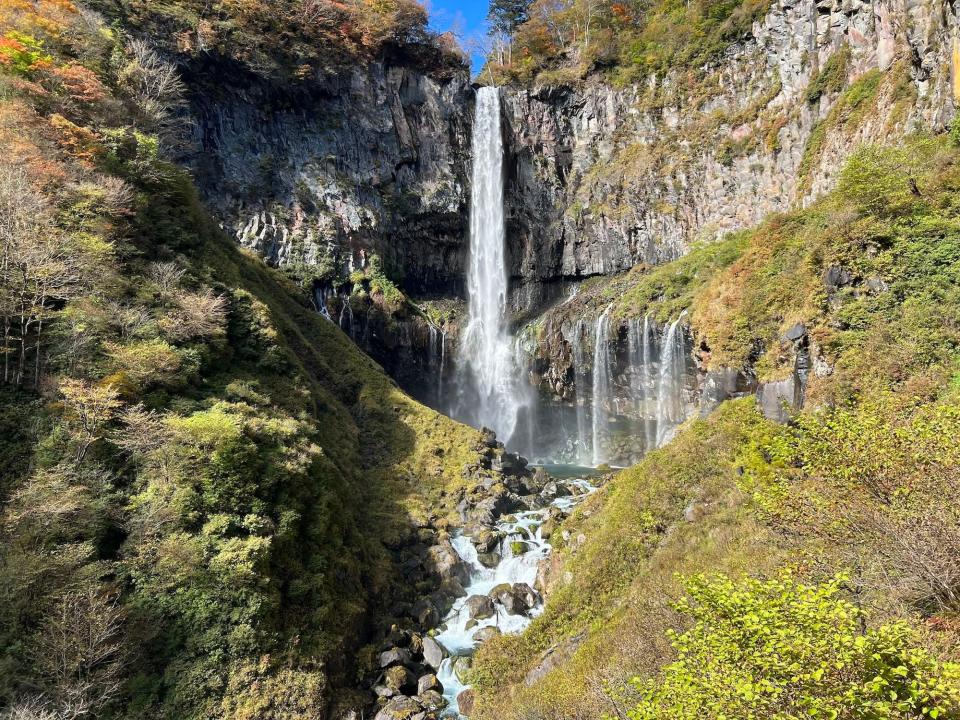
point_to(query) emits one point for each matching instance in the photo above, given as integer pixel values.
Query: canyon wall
(325, 172)
(319, 175)
(603, 178)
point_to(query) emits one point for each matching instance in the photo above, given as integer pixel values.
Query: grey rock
(394, 656)
(796, 332)
(400, 708)
(479, 607)
(428, 682)
(485, 634)
(433, 652)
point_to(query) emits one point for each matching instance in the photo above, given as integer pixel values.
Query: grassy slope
(864, 481)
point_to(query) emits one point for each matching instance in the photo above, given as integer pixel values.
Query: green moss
(832, 77)
(847, 114)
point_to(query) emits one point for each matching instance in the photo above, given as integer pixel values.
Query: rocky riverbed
(488, 578)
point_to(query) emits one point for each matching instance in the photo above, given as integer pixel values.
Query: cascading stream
(491, 391)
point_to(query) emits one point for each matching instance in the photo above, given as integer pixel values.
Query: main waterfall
(490, 386)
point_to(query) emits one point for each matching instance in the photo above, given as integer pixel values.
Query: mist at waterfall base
(629, 396)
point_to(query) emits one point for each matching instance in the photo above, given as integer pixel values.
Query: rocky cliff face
(603, 178)
(319, 175)
(325, 172)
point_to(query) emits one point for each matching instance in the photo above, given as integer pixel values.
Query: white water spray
(670, 391)
(491, 387)
(601, 385)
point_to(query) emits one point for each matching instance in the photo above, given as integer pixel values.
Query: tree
(506, 15)
(80, 653)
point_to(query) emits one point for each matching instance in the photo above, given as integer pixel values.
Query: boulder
(428, 682)
(510, 464)
(433, 652)
(394, 656)
(498, 590)
(465, 702)
(400, 708)
(553, 490)
(382, 691)
(432, 700)
(796, 332)
(401, 679)
(547, 529)
(484, 634)
(517, 599)
(519, 547)
(489, 560)
(442, 559)
(487, 540)
(479, 607)
(426, 613)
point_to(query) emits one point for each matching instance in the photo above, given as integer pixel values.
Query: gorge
(617, 376)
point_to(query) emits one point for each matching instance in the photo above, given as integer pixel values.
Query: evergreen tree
(506, 15)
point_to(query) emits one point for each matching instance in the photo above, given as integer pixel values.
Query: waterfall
(346, 313)
(443, 364)
(580, 384)
(642, 386)
(491, 390)
(670, 390)
(646, 378)
(601, 385)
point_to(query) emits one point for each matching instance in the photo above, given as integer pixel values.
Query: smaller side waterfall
(670, 391)
(642, 378)
(601, 386)
(584, 441)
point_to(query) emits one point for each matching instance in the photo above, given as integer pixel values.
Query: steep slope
(207, 489)
(861, 483)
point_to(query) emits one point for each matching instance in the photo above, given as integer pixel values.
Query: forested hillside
(200, 475)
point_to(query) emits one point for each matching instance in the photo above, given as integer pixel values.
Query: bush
(781, 649)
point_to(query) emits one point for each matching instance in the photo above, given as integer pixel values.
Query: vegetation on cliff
(859, 487)
(289, 38)
(199, 476)
(630, 39)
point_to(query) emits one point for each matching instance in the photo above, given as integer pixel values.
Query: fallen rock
(400, 708)
(432, 700)
(526, 594)
(479, 607)
(425, 613)
(489, 560)
(486, 634)
(394, 656)
(433, 652)
(400, 678)
(428, 682)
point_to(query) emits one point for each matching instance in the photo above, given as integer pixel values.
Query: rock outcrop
(325, 172)
(603, 178)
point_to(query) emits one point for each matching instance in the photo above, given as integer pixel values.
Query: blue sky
(467, 19)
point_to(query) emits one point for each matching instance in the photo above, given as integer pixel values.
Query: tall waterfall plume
(491, 388)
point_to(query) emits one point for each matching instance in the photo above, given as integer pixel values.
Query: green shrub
(781, 649)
